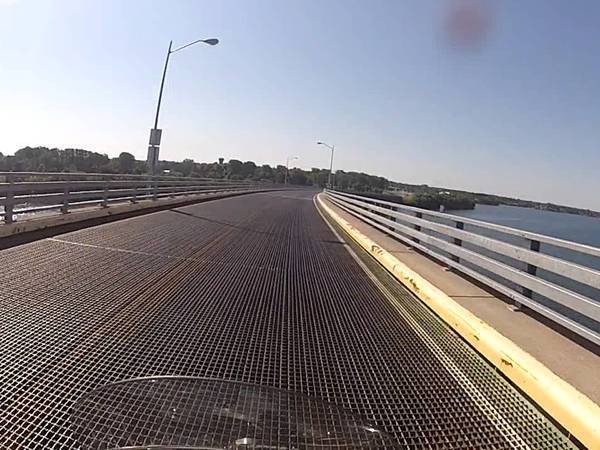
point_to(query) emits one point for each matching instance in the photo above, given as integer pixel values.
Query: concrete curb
(579, 415)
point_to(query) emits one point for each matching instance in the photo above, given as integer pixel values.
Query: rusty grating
(254, 289)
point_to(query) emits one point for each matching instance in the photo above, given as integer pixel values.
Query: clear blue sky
(520, 115)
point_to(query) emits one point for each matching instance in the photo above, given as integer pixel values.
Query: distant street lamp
(287, 167)
(155, 133)
(330, 147)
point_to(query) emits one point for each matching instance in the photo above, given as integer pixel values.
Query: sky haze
(517, 112)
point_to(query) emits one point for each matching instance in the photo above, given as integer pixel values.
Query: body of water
(571, 227)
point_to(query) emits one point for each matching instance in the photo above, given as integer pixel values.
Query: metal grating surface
(194, 412)
(255, 289)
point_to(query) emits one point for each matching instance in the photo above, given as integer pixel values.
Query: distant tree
(298, 177)
(140, 167)
(46, 159)
(38, 159)
(126, 162)
(264, 172)
(235, 169)
(248, 169)
(215, 170)
(187, 167)
(96, 162)
(279, 174)
(319, 177)
(359, 182)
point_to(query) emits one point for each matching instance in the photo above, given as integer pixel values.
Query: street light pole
(162, 85)
(155, 133)
(287, 168)
(332, 148)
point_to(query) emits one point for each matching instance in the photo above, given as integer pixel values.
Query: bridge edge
(573, 410)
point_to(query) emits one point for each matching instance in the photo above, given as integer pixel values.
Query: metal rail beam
(403, 227)
(575, 246)
(23, 197)
(577, 272)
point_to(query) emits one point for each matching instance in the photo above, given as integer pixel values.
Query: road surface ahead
(254, 288)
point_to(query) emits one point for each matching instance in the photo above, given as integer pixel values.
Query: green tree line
(43, 159)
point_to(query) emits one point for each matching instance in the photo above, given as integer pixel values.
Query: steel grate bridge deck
(255, 289)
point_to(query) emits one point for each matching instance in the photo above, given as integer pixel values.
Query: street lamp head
(211, 41)
(330, 147)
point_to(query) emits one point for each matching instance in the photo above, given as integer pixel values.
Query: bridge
(376, 307)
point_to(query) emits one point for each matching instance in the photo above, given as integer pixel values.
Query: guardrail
(24, 193)
(508, 260)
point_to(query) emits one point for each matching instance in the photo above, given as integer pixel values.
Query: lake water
(583, 229)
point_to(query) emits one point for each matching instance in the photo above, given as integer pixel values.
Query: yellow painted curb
(578, 414)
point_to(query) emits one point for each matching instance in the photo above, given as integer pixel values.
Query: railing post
(531, 269)
(64, 209)
(105, 195)
(154, 189)
(461, 226)
(9, 201)
(392, 218)
(417, 227)
(134, 199)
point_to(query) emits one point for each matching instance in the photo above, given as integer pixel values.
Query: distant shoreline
(478, 198)
(44, 159)
(583, 213)
(547, 207)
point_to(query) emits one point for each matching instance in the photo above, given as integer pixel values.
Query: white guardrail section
(24, 193)
(471, 251)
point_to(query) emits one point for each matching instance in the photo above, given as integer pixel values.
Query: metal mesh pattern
(255, 289)
(203, 413)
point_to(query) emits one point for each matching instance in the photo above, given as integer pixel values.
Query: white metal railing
(485, 253)
(33, 192)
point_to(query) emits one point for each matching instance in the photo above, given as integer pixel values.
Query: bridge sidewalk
(575, 364)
